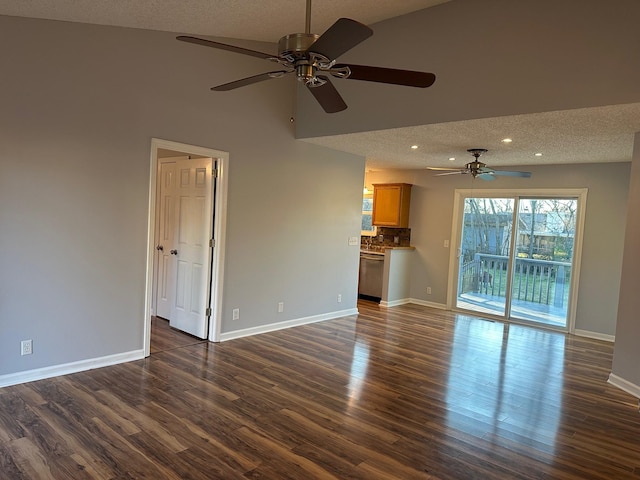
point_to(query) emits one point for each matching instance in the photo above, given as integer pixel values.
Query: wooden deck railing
(538, 281)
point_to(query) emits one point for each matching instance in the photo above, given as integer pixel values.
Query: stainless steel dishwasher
(370, 279)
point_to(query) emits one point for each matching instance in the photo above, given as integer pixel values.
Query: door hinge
(208, 312)
(212, 243)
(214, 172)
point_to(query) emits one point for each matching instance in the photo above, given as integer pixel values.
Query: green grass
(539, 290)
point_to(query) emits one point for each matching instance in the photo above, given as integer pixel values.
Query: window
(367, 215)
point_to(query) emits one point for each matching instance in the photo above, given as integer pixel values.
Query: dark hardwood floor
(400, 393)
(163, 337)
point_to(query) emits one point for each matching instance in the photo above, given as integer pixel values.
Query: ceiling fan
(479, 169)
(312, 57)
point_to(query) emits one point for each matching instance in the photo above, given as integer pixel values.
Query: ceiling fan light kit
(478, 169)
(313, 57)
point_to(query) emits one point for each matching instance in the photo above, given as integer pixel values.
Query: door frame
(220, 187)
(456, 232)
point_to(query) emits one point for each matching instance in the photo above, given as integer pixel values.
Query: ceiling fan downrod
(294, 48)
(307, 23)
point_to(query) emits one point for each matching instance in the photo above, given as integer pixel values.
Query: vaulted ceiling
(263, 20)
(597, 134)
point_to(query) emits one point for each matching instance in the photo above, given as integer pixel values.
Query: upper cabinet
(391, 204)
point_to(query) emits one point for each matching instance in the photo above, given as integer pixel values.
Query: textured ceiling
(588, 135)
(603, 134)
(264, 20)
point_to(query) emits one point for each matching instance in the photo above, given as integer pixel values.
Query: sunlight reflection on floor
(500, 387)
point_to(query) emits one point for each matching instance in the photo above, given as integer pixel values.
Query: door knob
(160, 248)
(174, 252)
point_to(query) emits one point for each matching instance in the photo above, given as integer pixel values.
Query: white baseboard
(272, 327)
(624, 385)
(424, 303)
(67, 368)
(394, 303)
(594, 335)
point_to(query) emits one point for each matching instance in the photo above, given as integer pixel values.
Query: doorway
(518, 255)
(187, 219)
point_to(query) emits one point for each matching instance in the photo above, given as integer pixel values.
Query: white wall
(608, 185)
(396, 282)
(80, 105)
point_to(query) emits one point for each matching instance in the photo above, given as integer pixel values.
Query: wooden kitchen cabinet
(391, 204)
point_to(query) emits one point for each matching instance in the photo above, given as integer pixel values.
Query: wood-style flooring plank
(407, 392)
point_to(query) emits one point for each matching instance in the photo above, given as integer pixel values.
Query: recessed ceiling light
(414, 147)
(451, 159)
(538, 154)
(506, 140)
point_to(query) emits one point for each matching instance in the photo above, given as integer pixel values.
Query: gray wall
(432, 214)
(491, 58)
(627, 355)
(80, 105)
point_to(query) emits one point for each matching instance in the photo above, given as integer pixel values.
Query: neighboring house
(81, 104)
(548, 236)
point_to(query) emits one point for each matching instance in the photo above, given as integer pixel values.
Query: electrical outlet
(236, 313)
(339, 298)
(428, 290)
(446, 244)
(280, 307)
(26, 347)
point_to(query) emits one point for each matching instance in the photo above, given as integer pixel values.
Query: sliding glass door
(516, 256)
(485, 247)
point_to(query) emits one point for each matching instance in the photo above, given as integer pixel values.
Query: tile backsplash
(389, 237)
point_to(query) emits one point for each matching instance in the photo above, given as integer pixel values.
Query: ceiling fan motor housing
(294, 46)
(475, 167)
(293, 51)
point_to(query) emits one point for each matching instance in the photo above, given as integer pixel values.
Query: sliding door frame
(456, 231)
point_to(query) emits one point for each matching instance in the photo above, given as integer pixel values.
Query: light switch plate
(353, 241)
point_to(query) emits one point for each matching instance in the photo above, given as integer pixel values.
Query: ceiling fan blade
(249, 80)
(506, 173)
(458, 172)
(486, 176)
(327, 96)
(224, 46)
(447, 169)
(341, 37)
(393, 76)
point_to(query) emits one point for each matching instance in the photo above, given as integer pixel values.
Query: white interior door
(165, 275)
(192, 251)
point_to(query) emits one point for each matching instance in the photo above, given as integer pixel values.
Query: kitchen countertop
(373, 252)
(381, 250)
